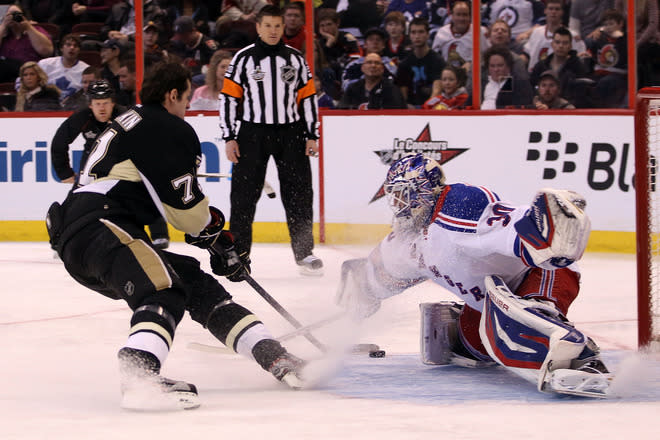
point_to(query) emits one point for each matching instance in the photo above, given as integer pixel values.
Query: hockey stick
(282, 311)
(307, 328)
(268, 189)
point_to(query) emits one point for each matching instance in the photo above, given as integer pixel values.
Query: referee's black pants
(286, 143)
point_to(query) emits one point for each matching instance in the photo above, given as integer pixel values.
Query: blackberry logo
(552, 153)
(607, 165)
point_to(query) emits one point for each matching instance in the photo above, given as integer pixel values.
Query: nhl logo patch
(258, 74)
(288, 74)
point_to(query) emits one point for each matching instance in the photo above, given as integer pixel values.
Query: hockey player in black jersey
(143, 166)
(90, 122)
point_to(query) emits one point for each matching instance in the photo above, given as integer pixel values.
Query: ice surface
(60, 380)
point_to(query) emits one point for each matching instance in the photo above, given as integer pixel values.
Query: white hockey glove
(353, 293)
(554, 231)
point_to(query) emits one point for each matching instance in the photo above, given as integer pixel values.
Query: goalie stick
(268, 189)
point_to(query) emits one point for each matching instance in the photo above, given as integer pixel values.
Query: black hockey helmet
(100, 89)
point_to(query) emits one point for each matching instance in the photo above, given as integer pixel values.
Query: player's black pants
(286, 143)
(111, 254)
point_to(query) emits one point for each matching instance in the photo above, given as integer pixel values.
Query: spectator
(294, 25)
(65, 71)
(78, 100)
(338, 46)
(397, 45)
(539, 40)
(153, 52)
(585, 16)
(126, 74)
(500, 36)
(609, 50)
(548, 93)
(500, 88)
(72, 12)
(20, 42)
(438, 15)
(373, 91)
(358, 16)
(418, 75)
(374, 43)
(41, 11)
(324, 100)
(236, 26)
(34, 93)
(453, 95)
(206, 96)
(520, 15)
(110, 64)
(120, 24)
(454, 40)
(566, 64)
(409, 8)
(244, 10)
(193, 47)
(648, 43)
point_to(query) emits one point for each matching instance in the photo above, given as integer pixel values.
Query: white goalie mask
(412, 187)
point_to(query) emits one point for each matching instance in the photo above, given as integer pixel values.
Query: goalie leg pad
(443, 335)
(523, 337)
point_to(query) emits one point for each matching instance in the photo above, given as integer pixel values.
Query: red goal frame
(643, 173)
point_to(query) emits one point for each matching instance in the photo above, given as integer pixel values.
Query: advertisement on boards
(513, 155)
(29, 184)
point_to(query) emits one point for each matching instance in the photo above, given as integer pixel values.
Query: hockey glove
(226, 261)
(554, 231)
(210, 233)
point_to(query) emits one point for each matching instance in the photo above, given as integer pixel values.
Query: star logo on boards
(438, 150)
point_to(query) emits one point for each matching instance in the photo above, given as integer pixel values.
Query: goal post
(647, 150)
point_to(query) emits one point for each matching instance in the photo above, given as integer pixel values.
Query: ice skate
(287, 369)
(311, 265)
(144, 389)
(585, 376)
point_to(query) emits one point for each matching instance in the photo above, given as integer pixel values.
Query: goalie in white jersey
(482, 249)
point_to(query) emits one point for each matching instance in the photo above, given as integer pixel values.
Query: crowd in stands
(368, 54)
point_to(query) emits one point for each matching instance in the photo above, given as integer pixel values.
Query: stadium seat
(53, 30)
(91, 57)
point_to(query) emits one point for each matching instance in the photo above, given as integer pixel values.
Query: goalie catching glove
(554, 231)
(210, 233)
(226, 261)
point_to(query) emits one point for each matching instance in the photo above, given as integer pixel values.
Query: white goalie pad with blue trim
(519, 334)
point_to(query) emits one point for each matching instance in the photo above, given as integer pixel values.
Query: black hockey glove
(210, 233)
(226, 261)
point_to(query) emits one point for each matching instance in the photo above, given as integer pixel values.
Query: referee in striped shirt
(269, 93)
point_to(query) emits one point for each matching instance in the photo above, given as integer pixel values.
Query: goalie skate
(585, 376)
(577, 383)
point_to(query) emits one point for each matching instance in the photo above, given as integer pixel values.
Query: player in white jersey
(538, 45)
(454, 40)
(480, 248)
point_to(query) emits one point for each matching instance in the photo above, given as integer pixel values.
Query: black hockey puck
(377, 354)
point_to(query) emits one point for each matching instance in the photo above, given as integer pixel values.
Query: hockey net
(647, 152)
